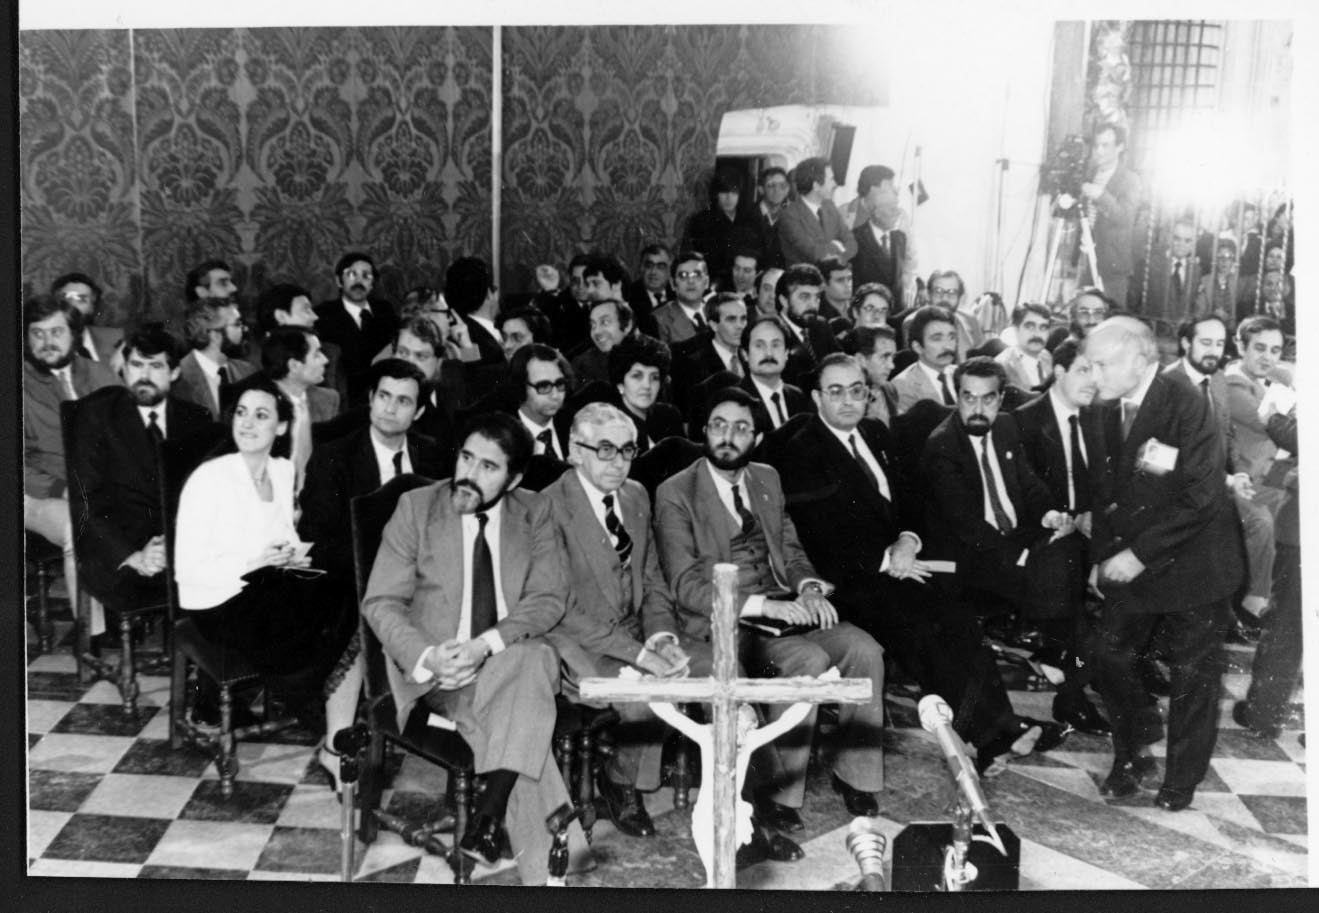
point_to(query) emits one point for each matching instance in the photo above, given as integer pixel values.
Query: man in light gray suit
(214, 330)
(681, 318)
(933, 337)
(468, 579)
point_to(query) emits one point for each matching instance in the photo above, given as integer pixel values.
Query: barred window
(1174, 76)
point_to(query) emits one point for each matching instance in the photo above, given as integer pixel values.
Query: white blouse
(223, 526)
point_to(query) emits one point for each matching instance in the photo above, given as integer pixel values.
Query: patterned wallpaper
(144, 152)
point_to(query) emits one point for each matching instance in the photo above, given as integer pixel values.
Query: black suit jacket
(955, 514)
(1180, 524)
(569, 320)
(871, 264)
(800, 368)
(795, 402)
(357, 346)
(492, 353)
(643, 306)
(114, 483)
(1042, 443)
(339, 471)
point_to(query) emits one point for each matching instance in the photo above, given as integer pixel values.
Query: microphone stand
(349, 742)
(958, 870)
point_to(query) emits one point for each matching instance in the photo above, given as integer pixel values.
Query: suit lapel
(513, 539)
(593, 539)
(1007, 466)
(704, 492)
(445, 527)
(770, 520)
(367, 469)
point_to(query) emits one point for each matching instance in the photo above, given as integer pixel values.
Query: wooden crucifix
(724, 692)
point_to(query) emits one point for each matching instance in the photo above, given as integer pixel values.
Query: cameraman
(1113, 196)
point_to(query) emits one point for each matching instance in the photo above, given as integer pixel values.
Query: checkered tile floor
(107, 797)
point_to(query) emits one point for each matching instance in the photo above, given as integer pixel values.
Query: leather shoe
(857, 802)
(766, 844)
(1051, 734)
(481, 840)
(625, 808)
(779, 817)
(1241, 716)
(1126, 777)
(1084, 717)
(1174, 798)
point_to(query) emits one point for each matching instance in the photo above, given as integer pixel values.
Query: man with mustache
(1027, 362)
(115, 475)
(764, 347)
(726, 508)
(214, 330)
(99, 343)
(468, 579)
(52, 372)
(932, 335)
(1087, 309)
(359, 323)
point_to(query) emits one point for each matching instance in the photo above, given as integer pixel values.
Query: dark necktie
(398, 464)
(1001, 519)
(222, 373)
(1177, 279)
(865, 467)
(819, 214)
(153, 428)
(748, 518)
(777, 400)
(622, 541)
(1129, 411)
(546, 439)
(947, 388)
(1039, 369)
(699, 319)
(1080, 484)
(365, 316)
(85, 352)
(1204, 387)
(883, 243)
(484, 613)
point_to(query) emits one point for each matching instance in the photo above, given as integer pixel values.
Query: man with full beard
(115, 472)
(725, 508)
(214, 330)
(469, 576)
(52, 373)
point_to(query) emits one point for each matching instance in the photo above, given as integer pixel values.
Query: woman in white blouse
(236, 517)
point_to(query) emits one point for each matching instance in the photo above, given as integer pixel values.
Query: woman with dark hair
(241, 570)
(638, 367)
(723, 228)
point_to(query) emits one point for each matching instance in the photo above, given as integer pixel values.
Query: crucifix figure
(723, 754)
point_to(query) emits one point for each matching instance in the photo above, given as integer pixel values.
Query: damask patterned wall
(278, 149)
(144, 152)
(610, 132)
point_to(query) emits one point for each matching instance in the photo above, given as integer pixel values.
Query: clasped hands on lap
(455, 663)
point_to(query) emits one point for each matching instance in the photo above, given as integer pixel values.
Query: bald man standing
(1164, 552)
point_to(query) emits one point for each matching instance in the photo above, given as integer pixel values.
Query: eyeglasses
(873, 309)
(690, 274)
(78, 297)
(836, 393)
(607, 450)
(546, 387)
(358, 274)
(776, 185)
(654, 264)
(721, 426)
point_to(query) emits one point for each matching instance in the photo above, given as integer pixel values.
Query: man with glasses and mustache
(52, 373)
(215, 332)
(619, 611)
(726, 508)
(115, 475)
(467, 581)
(358, 323)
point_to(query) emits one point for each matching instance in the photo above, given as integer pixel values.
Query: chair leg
(682, 778)
(586, 784)
(45, 628)
(462, 810)
(563, 756)
(178, 700)
(371, 788)
(226, 758)
(128, 688)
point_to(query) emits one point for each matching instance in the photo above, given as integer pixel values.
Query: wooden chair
(193, 654)
(132, 616)
(42, 560)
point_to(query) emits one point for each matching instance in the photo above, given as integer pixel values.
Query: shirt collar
(721, 484)
(767, 391)
(1192, 373)
(209, 365)
(1060, 408)
(379, 446)
(935, 376)
(843, 436)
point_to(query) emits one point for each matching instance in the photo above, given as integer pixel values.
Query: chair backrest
(70, 410)
(667, 457)
(177, 459)
(369, 513)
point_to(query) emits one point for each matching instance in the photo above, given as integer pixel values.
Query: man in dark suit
(1165, 286)
(707, 354)
(566, 308)
(115, 474)
(291, 356)
(214, 330)
(881, 247)
(809, 227)
(445, 390)
(1054, 428)
(355, 322)
(725, 508)
(619, 610)
(286, 304)
(810, 337)
(858, 519)
(764, 349)
(1113, 192)
(469, 287)
(52, 373)
(1163, 550)
(873, 347)
(836, 297)
(654, 289)
(475, 651)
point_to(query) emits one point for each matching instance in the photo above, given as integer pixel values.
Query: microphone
(867, 844)
(937, 717)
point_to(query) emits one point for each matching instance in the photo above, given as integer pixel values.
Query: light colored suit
(414, 601)
(193, 387)
(673, 323)
(912, 385)
(1252, 448)
(807, 238)
(1019, 373)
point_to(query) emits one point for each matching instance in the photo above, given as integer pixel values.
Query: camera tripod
(1087, 242)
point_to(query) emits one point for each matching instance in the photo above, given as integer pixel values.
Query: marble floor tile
(107, 838)
(1068, 779)
(1278, 814)
(143, 795)
(269, 762)
(103, 692)
(311, 806)
(432, 870)
(1290, 745)
(154, 756)
(388, 851)
(404, 872)
(59, 791)
(304, 850)
(53, 662)
(187, 873)
(54, 686)
(1269, 778)
(41, 829)
(1055, 871)
(251, 802)
(104, 719)
(83, 868)
(211, 844)
(43, 715)
(1237, 743)
(78, 753)
(1225, 806)
(158, 726)
(261, 875)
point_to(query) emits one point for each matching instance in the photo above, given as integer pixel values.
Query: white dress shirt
(766, 393)
(385, 457)
(537, 431)
(1062, 413)
(355, 311)
(159, 409)
(867, 456)
(980, 444)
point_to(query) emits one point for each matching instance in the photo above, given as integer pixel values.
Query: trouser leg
(1277, 664)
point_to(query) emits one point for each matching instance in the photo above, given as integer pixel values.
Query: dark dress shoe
(1241, 716)
(779, 817)
(1085, 718)
(857, 802)
(1051, 734)
(625, 808)
(481, 840)
(766, 844)
(1128, 776)
(1173, 798)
